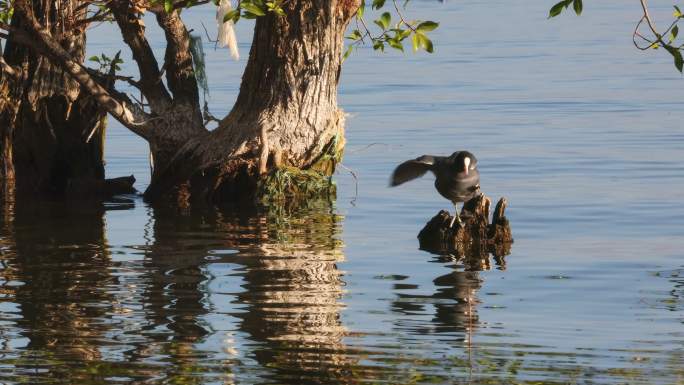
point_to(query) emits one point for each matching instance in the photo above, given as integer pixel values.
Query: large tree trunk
(45, 117)
(285, 124)
(286, 114)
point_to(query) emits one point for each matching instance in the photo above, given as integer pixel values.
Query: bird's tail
(226, 32)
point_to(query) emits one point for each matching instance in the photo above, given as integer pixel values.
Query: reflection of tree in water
(173, 296)
(175, 262)
(58, 251)
(292, 289)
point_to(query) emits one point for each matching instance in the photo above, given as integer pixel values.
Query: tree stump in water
(477, 237)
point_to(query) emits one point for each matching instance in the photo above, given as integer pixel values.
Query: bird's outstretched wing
(412, 169)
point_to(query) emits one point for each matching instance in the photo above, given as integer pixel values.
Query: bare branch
(401, 16)
(636, 34)
(97, 17)
(8, 69)
(180, 74)
(133, 34)
(648, 19)
(215, 41)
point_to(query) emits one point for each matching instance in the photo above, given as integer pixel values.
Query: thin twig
(356, 183)
(209, 37)
(401, 17)
(649, 21)
(636, 33)
(366, 147)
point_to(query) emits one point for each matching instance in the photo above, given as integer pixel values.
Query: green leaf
(94, 58)
(385, 20)
(355, 35)
(377, 4)
(253, 9)
(396, 44)
(577, 6)
(379, 45)
(677, 55)
(424, 42)
(168, 6)
(678, 61)
(675, 31)
(414, 42)
(558, 8)
(362, 8)
(233, 16)
(347, 52)
(677, 13)
(427, 26)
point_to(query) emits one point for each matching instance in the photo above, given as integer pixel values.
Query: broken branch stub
(476, 238)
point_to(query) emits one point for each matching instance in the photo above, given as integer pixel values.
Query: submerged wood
(102, 188)
(477, 238)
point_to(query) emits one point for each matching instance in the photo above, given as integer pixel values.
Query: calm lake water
(578, 129)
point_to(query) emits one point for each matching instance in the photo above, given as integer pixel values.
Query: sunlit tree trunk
(286, 113)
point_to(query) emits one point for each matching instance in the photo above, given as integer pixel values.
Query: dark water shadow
(57, 275)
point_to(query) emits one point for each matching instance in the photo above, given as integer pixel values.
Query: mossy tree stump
(478, 236)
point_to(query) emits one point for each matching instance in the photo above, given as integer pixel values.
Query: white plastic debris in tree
(226, 33)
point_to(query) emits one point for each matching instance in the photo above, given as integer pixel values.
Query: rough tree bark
(286, 114)
(285, 117)
(51, 130)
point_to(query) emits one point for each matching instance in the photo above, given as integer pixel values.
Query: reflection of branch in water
(174, 295)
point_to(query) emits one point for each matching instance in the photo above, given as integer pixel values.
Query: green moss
(291, 183)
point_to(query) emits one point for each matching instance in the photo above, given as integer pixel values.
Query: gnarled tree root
(476, 238)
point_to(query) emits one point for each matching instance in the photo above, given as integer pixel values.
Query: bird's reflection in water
(455, 298)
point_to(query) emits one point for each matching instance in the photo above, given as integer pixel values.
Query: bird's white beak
(467, 164)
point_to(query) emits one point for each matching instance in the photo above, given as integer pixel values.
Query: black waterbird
(457, 178)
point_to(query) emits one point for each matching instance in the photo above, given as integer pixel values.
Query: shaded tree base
(478, 236)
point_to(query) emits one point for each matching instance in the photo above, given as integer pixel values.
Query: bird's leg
(456, 218)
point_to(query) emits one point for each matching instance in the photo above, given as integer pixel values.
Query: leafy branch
(390, 34)
(107, 64)
(565, 4)
(6, 11)
(251, 9)
(665, 39)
